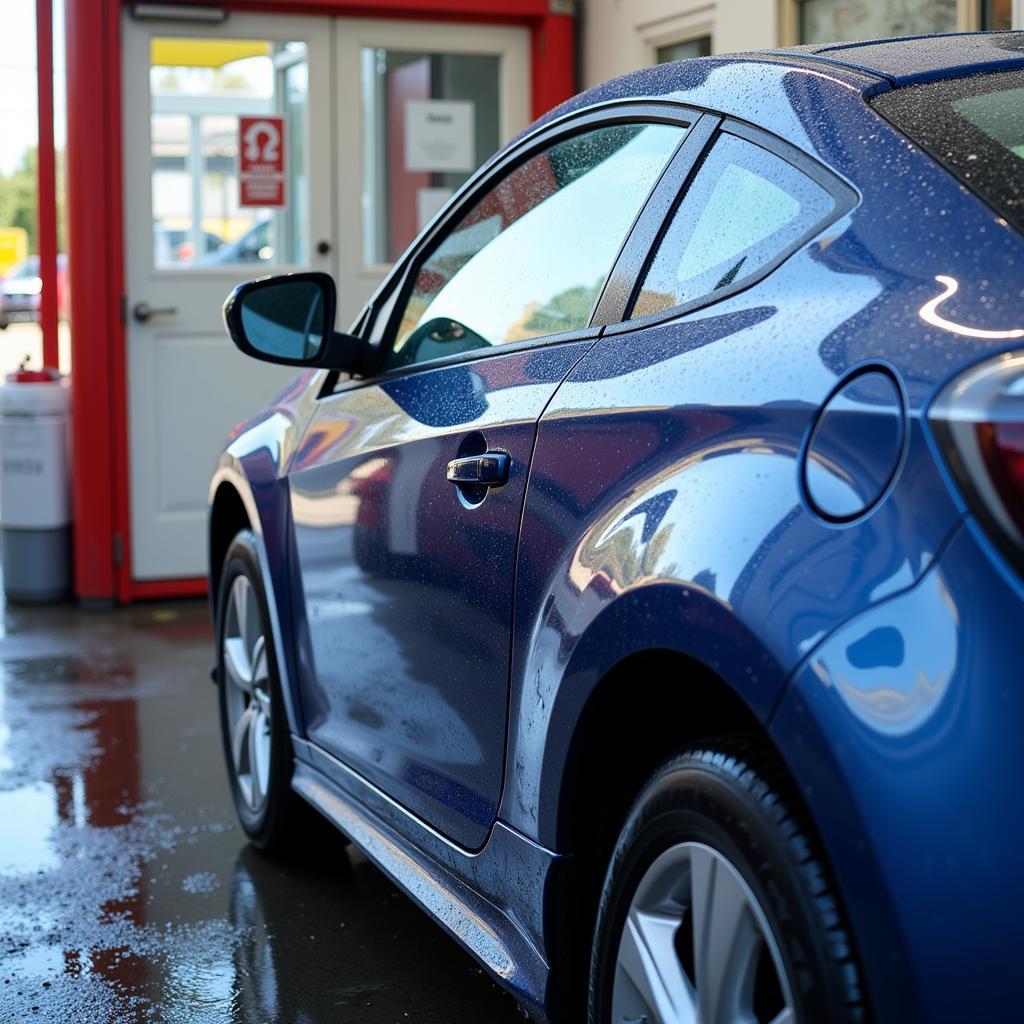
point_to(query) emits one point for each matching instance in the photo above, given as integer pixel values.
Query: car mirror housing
(289, 319)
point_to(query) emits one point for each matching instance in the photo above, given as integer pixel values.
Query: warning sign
(261, 161)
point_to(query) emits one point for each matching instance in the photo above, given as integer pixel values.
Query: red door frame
(46, 184)
(100, 465)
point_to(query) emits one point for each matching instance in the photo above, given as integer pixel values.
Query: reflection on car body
(706, 706)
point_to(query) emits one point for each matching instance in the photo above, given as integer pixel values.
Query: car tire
(254, 727)
(717, 904)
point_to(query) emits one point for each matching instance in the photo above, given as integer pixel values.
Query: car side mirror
(290, 319)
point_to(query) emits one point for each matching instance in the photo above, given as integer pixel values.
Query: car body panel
(683, 490)
(253, 468)
(665, 508)
(407, 590)
(904, 727)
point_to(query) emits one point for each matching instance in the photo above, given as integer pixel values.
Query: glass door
(421, 107)
(270, 143)
(228, 176)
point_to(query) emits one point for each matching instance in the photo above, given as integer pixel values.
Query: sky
(18, 130)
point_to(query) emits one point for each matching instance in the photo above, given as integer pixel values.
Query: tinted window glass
(975, 126)
(531, 257)
(744, 208)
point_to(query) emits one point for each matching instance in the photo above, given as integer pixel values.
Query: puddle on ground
(128, 894)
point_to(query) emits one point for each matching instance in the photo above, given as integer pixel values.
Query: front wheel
(717, 907)
(254, 729)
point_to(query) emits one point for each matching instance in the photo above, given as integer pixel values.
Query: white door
(382, 121)
(190, 238)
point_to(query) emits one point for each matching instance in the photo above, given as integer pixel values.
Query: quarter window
(744, 208)
(531, 257)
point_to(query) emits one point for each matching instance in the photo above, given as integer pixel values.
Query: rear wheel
(254, 728)
(716, 907)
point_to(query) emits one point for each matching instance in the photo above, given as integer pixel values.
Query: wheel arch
(651, 701)
(630, 700)
(228, 517)
(672, 644)
(233, 508)
(632, 721)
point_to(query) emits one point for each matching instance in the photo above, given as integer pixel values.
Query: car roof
(916, 59)
(869, 67)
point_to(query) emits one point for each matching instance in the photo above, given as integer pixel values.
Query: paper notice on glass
(428, 202)
(439, 135)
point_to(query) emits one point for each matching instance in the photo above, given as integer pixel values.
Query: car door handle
(488, 470)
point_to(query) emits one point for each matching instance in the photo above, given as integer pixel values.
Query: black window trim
(631, 261)
(379, 321)
(846, 198)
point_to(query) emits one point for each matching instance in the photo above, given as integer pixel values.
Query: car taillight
(978, 420)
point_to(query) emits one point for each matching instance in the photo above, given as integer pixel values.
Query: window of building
(531, 257)
(684, 50)
(823, 21)
(996, 15)
(744, 209)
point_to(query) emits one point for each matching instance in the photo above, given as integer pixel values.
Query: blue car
(638, 581)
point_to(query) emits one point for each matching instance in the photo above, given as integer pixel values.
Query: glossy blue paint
(751, 485)
(407, 588)
(904, 728)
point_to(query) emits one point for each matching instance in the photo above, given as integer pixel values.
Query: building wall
(618, 36)
(621, 35)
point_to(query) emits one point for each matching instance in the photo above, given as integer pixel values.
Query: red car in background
(21, 287)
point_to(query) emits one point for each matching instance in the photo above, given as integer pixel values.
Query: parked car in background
(21, 289)
(638, 580)
(173, 246)
(255, 246)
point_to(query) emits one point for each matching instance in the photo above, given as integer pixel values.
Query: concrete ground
(127, 891)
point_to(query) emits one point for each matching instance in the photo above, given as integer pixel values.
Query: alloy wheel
(247, 692)
(696, 948)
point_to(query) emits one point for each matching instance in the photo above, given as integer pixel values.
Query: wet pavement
(127, 891)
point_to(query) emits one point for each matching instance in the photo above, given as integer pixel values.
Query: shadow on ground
(127, 893)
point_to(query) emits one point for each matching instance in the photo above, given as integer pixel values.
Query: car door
(407, 491)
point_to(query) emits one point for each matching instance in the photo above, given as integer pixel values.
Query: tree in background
(18, 199)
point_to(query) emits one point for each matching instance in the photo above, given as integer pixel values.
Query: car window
(975, 127)
(532, 256)
(744, 208)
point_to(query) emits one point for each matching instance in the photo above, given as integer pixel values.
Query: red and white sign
(261, 160)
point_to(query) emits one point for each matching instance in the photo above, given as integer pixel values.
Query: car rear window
(975, 127)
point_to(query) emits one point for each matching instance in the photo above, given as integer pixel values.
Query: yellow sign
(203, 53)
(13, 247)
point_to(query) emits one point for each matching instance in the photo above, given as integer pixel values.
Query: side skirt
(504, 930)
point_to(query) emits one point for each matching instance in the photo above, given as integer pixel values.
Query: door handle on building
(142, 311)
